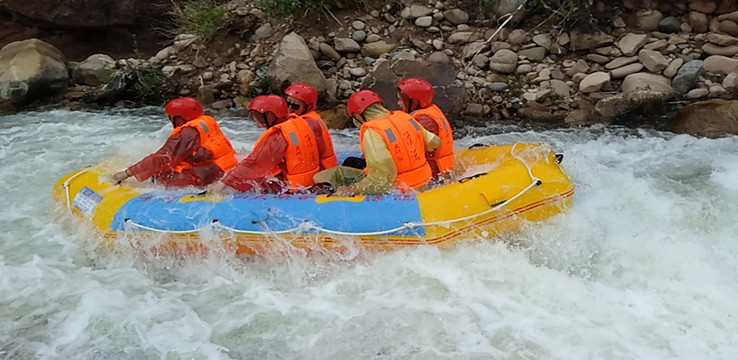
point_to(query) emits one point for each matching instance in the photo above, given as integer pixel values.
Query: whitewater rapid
(642, 266)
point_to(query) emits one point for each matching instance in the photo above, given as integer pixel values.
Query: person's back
(284, 158)
(301, 158)
(404, 139)
(393, 144)
(196, 153)
(415, 97)
(302, 100)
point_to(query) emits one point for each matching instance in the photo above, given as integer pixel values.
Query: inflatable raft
(497, 189)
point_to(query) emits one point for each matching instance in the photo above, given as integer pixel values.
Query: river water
(642, 266)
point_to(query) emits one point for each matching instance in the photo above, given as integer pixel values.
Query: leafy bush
(199, 17)
(148, 86)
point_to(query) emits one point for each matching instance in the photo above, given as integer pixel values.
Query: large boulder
(95, 70)
(31, 70)
(293, 62)
(710, 118)
(448, 95)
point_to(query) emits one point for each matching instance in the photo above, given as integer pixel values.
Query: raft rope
(307, 225)
(65, 185)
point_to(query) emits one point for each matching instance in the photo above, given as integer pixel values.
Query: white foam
(641, 266)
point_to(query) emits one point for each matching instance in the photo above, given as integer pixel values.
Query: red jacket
(177, 148)
(259, 170)
(433, 120)
(328, 156)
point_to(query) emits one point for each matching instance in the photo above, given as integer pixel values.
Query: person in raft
(197, 153)
(415, 96)
(302, 100)
(284, 158)
(394, 146)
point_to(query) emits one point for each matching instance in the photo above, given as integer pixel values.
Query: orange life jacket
(328, 158)
(404, 139)
(443, 156)
(211, 138)
(301, 159)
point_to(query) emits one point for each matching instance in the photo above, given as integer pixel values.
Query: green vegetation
(199, 17)
(566, 14)
(279, 8)
(516, 84)
(148, 85)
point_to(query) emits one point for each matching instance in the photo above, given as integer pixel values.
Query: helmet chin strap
(269, 124)
(410, 106)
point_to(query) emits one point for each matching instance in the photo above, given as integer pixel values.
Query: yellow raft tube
(497, 189)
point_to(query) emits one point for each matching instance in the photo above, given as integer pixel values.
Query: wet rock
(710, 118)
(611, 108)
(336, 117)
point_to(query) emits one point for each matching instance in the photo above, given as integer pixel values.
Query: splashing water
(642, 266)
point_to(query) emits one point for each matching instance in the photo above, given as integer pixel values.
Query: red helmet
(417, 89)
(270, 103)
(304, 92)
(361, 100)
(186, 107)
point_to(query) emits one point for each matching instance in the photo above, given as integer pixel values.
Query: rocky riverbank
(629, 63)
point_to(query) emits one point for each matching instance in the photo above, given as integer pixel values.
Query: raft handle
(478, 146)
(461, 181)
(559, 158)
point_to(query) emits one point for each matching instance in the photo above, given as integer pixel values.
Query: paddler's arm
(257, 166)
(177, 148)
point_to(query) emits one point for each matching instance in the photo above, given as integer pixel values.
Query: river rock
(645, 81)
(630, 44)
(714, 49)
(293, 63)
(95, 70)
(710, 118)
(626, 70)
(686, 78)
(720, 64)
(504, 61)
(31, 69)
(376, 49)
(594, 82)
(654, 61)
(589, 40)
